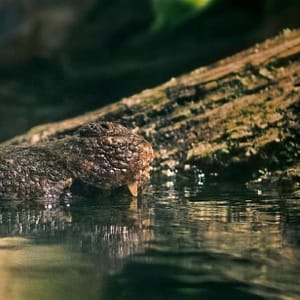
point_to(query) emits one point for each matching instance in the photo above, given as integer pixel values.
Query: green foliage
(170, 13)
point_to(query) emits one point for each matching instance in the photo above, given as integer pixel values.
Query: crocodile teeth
(133, 188)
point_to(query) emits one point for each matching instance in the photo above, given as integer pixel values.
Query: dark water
(184, 239)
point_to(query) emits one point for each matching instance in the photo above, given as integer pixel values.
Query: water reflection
(110, 229)
(207, 240)
(31, 271)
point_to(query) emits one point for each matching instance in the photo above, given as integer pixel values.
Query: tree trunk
(241, 113)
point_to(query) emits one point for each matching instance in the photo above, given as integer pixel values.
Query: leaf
(171, 13)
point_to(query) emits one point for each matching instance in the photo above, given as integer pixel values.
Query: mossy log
(241, 113)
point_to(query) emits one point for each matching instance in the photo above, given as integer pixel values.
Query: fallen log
(241, 113)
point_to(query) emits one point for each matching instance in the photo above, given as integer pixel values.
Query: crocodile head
(106, 155)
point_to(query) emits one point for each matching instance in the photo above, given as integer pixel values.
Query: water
(184, 239)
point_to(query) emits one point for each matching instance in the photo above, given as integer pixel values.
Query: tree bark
(241, 113)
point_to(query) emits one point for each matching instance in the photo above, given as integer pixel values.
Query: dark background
(62, 58)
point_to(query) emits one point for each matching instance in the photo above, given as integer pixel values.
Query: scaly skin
(102, 154)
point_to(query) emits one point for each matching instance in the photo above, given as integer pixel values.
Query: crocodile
(102, 154)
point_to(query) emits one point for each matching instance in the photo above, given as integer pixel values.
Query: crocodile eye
(89, 130)
(104, 126)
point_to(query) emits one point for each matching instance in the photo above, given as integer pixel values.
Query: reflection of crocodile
(102, 154)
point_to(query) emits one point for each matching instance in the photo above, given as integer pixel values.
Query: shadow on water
(183, 239)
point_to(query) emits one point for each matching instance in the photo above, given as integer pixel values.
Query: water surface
(183, 239)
